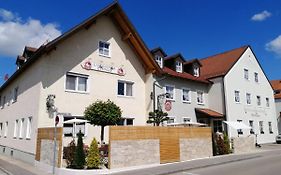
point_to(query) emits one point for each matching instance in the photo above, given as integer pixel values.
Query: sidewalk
(16, 167)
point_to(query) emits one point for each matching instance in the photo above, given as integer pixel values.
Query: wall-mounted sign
(89, 65)
(168, 105)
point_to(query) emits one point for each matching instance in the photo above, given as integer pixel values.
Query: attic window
(196, 71)
(179, 66)
(104, 49)
(159, 60)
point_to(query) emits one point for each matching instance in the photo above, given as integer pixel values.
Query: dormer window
(159, 60)
(196, 71)
(179, 66)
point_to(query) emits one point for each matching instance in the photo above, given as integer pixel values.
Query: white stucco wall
(216, 95)
(234, 80)
(278, 110)
(182, 109)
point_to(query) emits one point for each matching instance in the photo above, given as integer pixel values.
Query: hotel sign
(89, 65)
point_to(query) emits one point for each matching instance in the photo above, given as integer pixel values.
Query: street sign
(57, 120)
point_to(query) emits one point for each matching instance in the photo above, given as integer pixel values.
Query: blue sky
(195, 28)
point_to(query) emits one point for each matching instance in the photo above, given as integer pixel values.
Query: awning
(209, 112)
(237, 125)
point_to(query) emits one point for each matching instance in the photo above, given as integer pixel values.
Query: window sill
(168, 99)
(27, 138)
(107, 56)
(238, 102)
(202, 104)
(124, 96)
(77, 92)
(262, 132)
(188, 102)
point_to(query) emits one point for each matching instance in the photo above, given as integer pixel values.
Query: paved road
(269, 163)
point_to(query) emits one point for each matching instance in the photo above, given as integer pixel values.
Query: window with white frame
(261, 127)
(21, 128)
(104, 48)
(15, 95)
(76, 82)
(125, 88)
(6, 129)
(171, 120)
(258, 100)
(196, 71)
(186, 97)
(186, 119)
(256, 77)
(237, 96)
(251, 124)
(126, 122)
(270, 127)
(159, 60)
(248, 98)
(240, 131)
(267, 101)
(200, 98)
(170, 91)
(179, 66)
(16, 126)
(246, 74)
(28, 127)
(70, 129)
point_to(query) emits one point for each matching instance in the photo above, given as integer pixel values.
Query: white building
(276, 84)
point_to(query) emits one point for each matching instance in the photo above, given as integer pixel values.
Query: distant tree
(103, 114)
(157, 117)
(79, 157)
(93, 158)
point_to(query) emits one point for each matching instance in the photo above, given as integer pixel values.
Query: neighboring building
(276, 84)
(102, 58)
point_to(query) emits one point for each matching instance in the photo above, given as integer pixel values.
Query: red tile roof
(209, 112)
(31, 49)
(276, 85)
(220, 64)
(184, 75)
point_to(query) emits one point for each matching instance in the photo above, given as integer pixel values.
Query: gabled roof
(191, 61)
(177, 55)
(220, 64)
(116, 13)
(185, 75)
(158, 49)
(30, 49)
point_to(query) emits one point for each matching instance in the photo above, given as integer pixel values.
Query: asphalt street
(269, 163)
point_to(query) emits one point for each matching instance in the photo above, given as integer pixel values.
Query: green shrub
(93, 158)
(68, 154)
(79, 157)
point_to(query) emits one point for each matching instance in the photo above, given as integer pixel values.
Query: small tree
(93, 158)
(79, 157)
(103, 114)
(157, 117)
(68, 154)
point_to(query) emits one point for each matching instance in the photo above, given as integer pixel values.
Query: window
(246, 74)
(15, 98)
(261, 127)
(125, 88)
(104, 48)
(186, 95)
(200, 99)
(159, 60)
(196, 71)
(6, 129)
(76, 82)
(170, 90)
(21, 128)
(178, 66)
(237, 96)
(171, 120)
(248, 98)
(256, 77)
(258, 100)
(240, 131)
(28, 127)
(270, 127)
(16, 128)
(267, 101)
(186, 119)
(126, 122)
(251, 124)
(70, 128)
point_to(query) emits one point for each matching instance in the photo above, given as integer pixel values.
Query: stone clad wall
(141, 145)
(243, 144)
(195, 148)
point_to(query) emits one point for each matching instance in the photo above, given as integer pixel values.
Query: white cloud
(261, 16)
(274, 46)
(16, 33)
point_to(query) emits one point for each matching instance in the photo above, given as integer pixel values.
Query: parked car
(278, 138)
